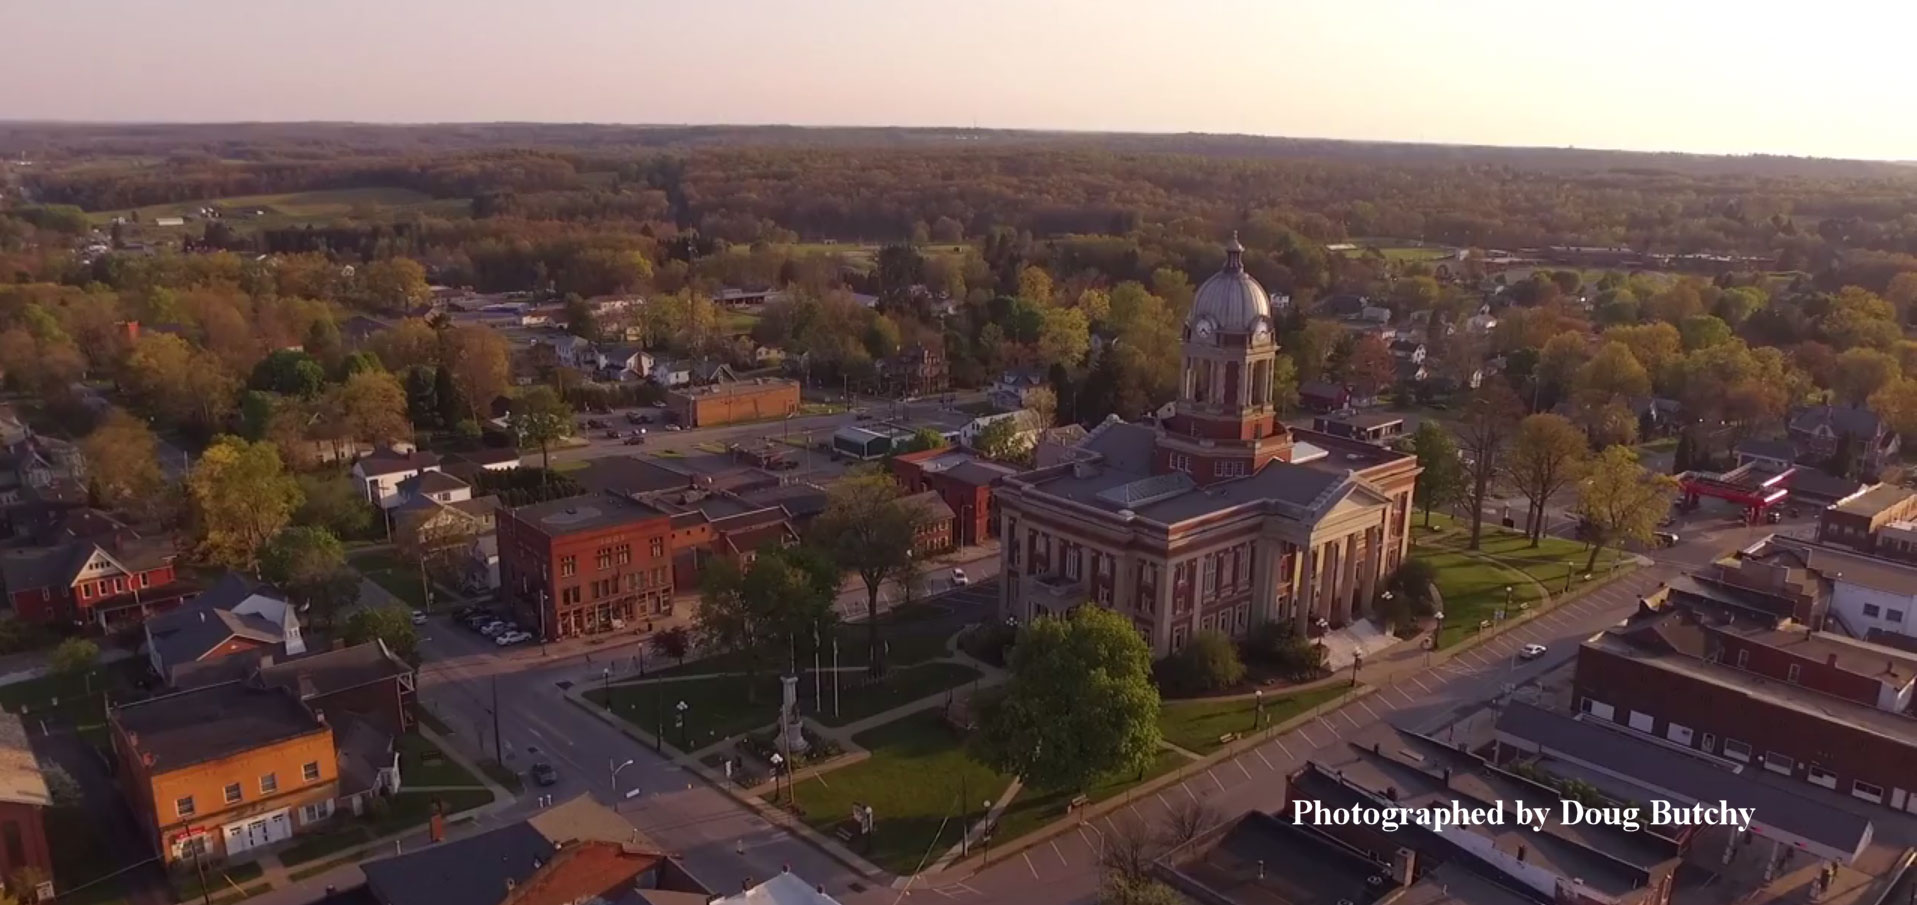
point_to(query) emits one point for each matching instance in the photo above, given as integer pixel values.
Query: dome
(1231, 299)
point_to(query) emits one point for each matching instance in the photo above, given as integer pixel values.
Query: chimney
(511, 884)
(1404, 866)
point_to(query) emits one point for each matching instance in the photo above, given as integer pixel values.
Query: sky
(1833, 78)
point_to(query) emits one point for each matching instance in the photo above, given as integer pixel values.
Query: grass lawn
(78, 700)
(1550, 561)
(398, 577)
(1473, 589)
(716, 707)
(1196, 725)
(225, 879)
(424, 764)
(1033, 809)
(320, 868)
(736, 322)
(900, 686)
(922, 788)
(910, 634)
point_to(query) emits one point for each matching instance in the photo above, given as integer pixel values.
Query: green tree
(1207, 663)
(239, 497)
(1621, 500)
(1862, 372)
(1441, 482)
(674, 642)
(1000, 440)
(1544, 459)
(764, 612)
(309, 564)
(1119, 888)
(1080, 704)
(1703, 331)
(1284, 384)
(923, 439)
(1064, 337)
(391, 624)
(333, 502)
(73, 657)
(1284, 648)
(539, 418)
(869, 529)
(289, 372)
(370, 406)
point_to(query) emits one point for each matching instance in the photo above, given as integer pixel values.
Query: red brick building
(105, 583)
(1825, 709)
(585, 564)
(962, 480)
(23, 801)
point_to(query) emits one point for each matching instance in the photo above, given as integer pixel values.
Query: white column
(1347, 575)
(1368, 576)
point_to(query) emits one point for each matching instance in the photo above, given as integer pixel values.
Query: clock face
(1261, 333)
(1205, 329)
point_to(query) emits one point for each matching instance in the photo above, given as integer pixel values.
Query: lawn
(80, 856)
(899, 686)
(1473, 589)
(424, 764)
(317, 205)
(911, 634)
(220, 880)
(1033, 809)
(1196, 725)
(716, 707)
(77, 699)
(922, 788)
(399, 578)
(1551, 560)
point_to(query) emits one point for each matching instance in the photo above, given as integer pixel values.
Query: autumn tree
(409, 343)
(289, 372)
(870, 530)
(478, 363)
(1369, 368)
(1621, 500)
(1489, 419)
(1544, 459)
(1441, 478)
(123, 462)
(371, 406)
(239, 497)
(392, 284)
(1862, 372)
(1896, 403)
(309, 564)
(1064, 337)
(1284, 384)
(179, 382)
(539, 418)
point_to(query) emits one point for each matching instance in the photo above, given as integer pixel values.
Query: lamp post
(1567, 576)
(659, 708)
(985, 834)
(1507, 603)
(1258, 701)
(1357, 661)
(1437, 631)
(615, 773)
(679, 718)
(605, 685)
(778, 762)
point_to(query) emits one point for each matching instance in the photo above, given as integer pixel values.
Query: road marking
(1162, 801)
(1346, 713)
(1187, 787)
(1281, 747)
(1028, 864)
(1213, 773)
(1308, 739)
(1241, 766)
(1060, 854)
(1421, 685)
(1090, 843)
(1261, 756)
(1367, 709)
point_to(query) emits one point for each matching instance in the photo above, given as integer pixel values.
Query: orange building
(228, 769)
(726, 403)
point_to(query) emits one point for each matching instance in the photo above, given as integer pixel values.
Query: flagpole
(835, 677)
(818, 700)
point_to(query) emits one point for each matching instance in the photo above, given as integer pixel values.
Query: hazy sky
(1831, 78)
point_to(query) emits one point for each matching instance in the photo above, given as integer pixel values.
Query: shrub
(1206, 664)
(1280, 646)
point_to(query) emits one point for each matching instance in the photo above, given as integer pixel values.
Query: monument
(791, 731)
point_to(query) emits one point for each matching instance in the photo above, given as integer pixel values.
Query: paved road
(711, 830)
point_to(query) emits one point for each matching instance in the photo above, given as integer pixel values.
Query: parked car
(1773, 516)
(612, 434)
(673, 427)
(1531, 651)
(595, 423)
(544, 774)
(635, 440)
(510, 638)
(419, 617)
(638, 418)
(1665, 538)
(959, 579)
(495, 629)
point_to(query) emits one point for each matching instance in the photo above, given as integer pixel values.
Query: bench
(1228, 738)
(1078, 801)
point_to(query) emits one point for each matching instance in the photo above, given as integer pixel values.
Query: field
(1197, 726)
(863, 256)
(325, 204)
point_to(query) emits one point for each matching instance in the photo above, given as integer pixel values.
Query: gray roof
(474, 870)
(193, 727)
(192, 631)
(432, 482)
(1682, 775)
(1782, 449)
(327, 672)
(630, 474)
(1230, 298)
(1861, 423)
(585, 512)
(385, 461)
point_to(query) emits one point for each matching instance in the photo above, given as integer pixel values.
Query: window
(569, 595)
(310, 772)
(143, 579)
(316, 812)
(1228, 469)
(1790, 675)
(568, 565)
(1820, 775)
(1743, 658)
(193, 847)
(1737, 750)
(1599, 709)
(269, 784)
(658, 547)
(233, 793)
(1894, 615)
(183, 806)
(1867, 791)
(1679, 734)
(1210, 579)
(1178, 637)
(622, 554)
(1710, 743)
(1872, 611)
(1778, 763)
(1179, 462)
(658, 576)
(1642, 722)
(603, 558)
(1071, 562)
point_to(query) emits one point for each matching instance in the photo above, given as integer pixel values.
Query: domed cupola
(1230, 303)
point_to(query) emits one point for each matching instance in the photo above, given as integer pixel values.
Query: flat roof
(1301, 866)
(585, 512)
(20, 778)
(1874, 499)
(1681, 774)
(1362, 419)
(735, 388)
(1843, 565)
(206, 724)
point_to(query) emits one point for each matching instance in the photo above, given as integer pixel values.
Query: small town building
(380, 473)
(101, 584)
(585, 565)
(964, 481)
(228, 627)
(24, 800)
(1355, 425)
(729, 403)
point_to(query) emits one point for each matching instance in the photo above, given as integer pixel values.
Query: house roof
(586, 872)
(60, 565)
(489, 456)
(631, 474)
(196, 629)
(929, 505)
(1857, 422)
(206, 724)
(1874, 500)
(1321, 390)
(1838, 564)
(385, 461)
(782, 889)
(21, 781)
(1364, 420)
(1681, 774)
(1782, 450)
(432, 482)
(585, 512)
(327, 672)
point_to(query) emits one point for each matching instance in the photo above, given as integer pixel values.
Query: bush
(990, 642)
(1414, 585)
(74, 656)
(1206, 664)
(1281, 647)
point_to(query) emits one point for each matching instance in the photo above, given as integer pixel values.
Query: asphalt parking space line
(1241, 766)
(1261, 756)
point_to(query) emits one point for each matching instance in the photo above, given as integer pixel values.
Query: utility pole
(498, 754)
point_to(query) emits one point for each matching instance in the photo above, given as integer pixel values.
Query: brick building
(1220, 518)
(585, 564)
(937, 524)
(24, 800)
(102, 583)
(726, 403)
(916, 371)
(1858, 520)
(1824, 709)
(962, 480)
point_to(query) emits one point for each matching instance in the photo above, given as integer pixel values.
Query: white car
(419, 618)
(511, 638)
(958, 578)
(495, 629)
(1531, 651)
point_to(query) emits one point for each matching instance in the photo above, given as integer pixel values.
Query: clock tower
(1223, 425)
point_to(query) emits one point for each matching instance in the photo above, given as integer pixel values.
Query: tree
(123, 463)
(1489, 419)
(1284, 384)
(869, 529)
(391, 624)
(1621, 500)
(335, 503)
(1064, 336)
(289, 372)
(762, 613)
(393, 284)
(1119, 888)
(1042, 401)
(1703, 331)
(539, 418)
(73, 657)
(309, 564)
(1896, 403)
(371, 406)
(1441, 480)
(1370, 367)
(1001, 440)
(1079, 705)
(674, 642)
(923, 439)
(1862, 372)
(239, 497)
(1544, 459)
(477, 362)
(1208, 662)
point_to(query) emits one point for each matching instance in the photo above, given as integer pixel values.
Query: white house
(380, 473)
(1025, 427)
(1010, 389)
(625, 362)
(1481, 322)
(573, 351)
(669, 373)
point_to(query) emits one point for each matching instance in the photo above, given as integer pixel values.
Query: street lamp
(1258, 700)
(605, 685)
(777, 761)
(1357, 660)
(679, 719)
(615, 773)
(1567, 576)
(985, 834)
(1507, 603)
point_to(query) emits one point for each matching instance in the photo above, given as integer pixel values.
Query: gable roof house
(1819, 430)
(228, 627)
(380, 473)
(104, 583)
